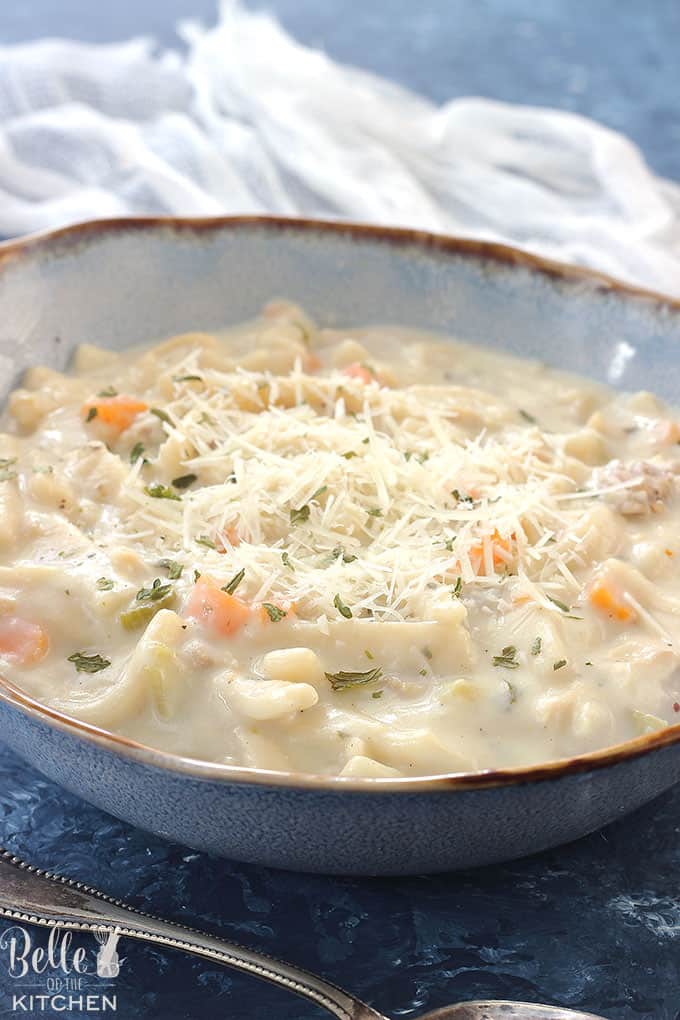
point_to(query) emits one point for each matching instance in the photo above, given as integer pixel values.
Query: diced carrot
(21, 640)
(311, 363)
(667, 432)
(361, 372)
(605, 598)
(232, 535)
(119, 412)
(501, 550)
(217, 610)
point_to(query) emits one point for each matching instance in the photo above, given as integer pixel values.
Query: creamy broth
(363, 552)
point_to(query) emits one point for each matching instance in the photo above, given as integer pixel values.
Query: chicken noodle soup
(359, 552)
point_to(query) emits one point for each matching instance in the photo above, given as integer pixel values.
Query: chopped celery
(140, 614)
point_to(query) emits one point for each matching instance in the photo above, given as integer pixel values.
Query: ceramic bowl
(117, 283)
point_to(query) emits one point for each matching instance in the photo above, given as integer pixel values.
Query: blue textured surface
(596, 924)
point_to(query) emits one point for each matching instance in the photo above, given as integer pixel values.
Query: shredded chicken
(650, 486)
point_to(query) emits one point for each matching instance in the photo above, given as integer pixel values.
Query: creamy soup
(359, 552)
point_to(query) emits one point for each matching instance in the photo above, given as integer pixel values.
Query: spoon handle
(40, 897)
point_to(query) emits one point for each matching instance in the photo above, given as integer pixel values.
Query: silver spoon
(40, 897)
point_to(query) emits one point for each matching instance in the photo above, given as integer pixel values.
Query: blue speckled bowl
(122, 282)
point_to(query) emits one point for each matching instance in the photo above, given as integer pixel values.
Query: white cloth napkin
(248, 120)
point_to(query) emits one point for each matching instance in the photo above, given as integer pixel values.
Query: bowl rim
(425, 241)
(63, 238)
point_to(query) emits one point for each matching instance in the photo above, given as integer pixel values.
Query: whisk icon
(108, 963)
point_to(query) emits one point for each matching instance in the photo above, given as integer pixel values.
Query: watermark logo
(108, 962)
(59, 977)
